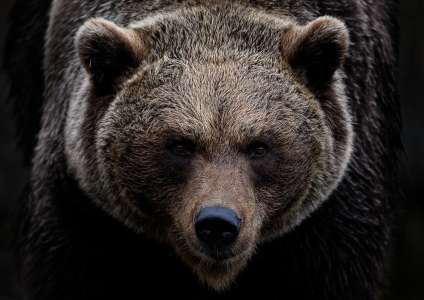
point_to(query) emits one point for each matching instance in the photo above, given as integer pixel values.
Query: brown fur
(104, 110)
(221, 99)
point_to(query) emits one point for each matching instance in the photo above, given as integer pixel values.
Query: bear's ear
(108, 52)
(317, 49)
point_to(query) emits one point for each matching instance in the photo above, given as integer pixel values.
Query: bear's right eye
(182, 148)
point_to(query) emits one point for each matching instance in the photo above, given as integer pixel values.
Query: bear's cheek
(281, 186)
(140, 167)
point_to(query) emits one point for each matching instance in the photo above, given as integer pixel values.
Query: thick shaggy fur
(81, 239)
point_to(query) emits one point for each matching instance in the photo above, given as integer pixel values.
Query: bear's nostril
(217, 227)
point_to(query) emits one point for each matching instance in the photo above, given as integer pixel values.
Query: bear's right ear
(108, 52)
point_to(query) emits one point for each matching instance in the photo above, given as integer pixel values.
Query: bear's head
(211, 131)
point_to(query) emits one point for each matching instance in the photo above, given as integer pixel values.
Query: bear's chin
(217, 274)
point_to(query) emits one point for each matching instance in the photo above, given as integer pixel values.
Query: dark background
(408, 277)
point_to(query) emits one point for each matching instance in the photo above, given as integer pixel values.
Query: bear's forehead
(216, 76)
(188, 32)
(210, 99)
(228, 26)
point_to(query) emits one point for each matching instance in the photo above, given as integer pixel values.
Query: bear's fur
(154, 110)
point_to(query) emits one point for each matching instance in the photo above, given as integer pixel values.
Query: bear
(215, 149)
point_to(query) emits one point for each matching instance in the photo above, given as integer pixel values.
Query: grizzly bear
(212, 149)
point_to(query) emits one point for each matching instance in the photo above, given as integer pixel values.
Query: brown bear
(211, 149)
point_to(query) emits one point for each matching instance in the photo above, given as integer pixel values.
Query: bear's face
(211, 153)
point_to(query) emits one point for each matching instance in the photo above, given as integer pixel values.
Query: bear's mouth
(217, 270)
(217, 256)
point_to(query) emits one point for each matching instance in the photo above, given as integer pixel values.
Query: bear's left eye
(257, 150)
(182, 148)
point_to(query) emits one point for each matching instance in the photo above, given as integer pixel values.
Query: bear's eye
(257, 150)
(182, 148)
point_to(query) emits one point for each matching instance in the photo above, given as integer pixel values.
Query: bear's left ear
(108, 52)
(317, 49)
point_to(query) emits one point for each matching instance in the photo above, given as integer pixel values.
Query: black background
(408, 276)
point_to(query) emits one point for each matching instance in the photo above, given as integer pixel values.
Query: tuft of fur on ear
(317, 49)
(108, 52)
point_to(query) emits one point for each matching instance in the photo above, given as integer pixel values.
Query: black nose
(217, 227)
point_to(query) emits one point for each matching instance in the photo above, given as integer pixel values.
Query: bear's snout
(217, 228)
